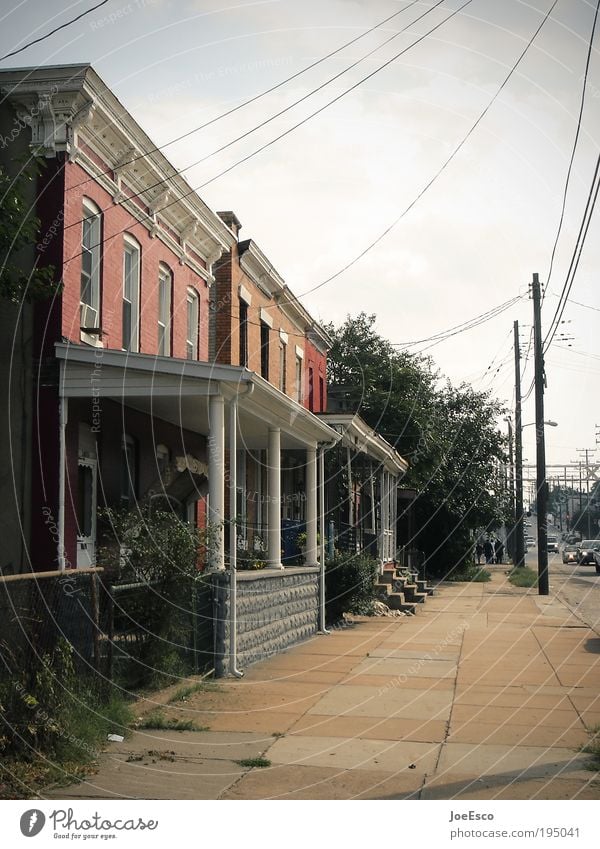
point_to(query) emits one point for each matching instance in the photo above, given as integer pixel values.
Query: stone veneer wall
(275, 610)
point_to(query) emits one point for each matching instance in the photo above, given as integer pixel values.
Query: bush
(522, 576)
(52, 709)
(465, 573)
(350, 581)
(160, 555)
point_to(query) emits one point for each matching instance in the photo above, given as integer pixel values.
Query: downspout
(322, 448)
(62, 453)
(233, 419)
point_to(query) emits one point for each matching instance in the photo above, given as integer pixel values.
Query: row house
(173, 363)
(133, 397)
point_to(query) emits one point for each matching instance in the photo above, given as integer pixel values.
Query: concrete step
(411, 593)
(397, 601)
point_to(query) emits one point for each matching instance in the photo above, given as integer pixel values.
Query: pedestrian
(499, 551)
(488, 550)
(479, 552)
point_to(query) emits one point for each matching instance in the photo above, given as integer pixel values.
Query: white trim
(299, 352)
(245, 294)
(284, 337)
(266, 318)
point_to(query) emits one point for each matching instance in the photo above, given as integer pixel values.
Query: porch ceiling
(178, 391)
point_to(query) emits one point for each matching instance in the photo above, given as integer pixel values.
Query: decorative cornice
(66, 104)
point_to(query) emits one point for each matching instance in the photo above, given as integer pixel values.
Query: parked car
(529, 542)
(569, 553)
(552, 545)
(597, 559)
(586, 551)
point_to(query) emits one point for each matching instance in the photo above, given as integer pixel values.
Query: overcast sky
(318, 197)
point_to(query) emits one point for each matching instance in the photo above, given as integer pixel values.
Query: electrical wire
(52, 32)
(252, 154)
(576, 256)
(438, 173)
(573, 150)
(264, 93)
(465, 325)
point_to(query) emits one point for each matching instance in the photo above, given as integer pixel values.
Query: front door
(87, 470)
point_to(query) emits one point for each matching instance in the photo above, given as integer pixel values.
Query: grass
(473, 574)
(261, 763)
(85, 722)
(592, 747)
(156, 720)
(184, 693)
(523, 576)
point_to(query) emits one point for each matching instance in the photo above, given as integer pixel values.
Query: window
(299, 379)
(165, 287)
(264, 350)
(321, 395)
(90, 271)
(191, 343)
(311, 398)
(282, 366)
(128, 471)
(243, 333)
(131, 295)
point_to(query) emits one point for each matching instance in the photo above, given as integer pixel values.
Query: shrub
(522, 576)
(350, 582)
(465, 573)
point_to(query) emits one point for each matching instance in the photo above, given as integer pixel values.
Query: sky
(314, 200)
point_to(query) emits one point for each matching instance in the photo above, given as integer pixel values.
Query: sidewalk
(486, 693)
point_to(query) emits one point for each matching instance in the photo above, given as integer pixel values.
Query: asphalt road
(577, 586)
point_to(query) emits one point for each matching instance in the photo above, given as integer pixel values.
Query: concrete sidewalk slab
(489, 692)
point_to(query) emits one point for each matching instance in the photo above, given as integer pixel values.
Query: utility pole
(542, 485)
(586, 451)
(510, 540)
(519, 543)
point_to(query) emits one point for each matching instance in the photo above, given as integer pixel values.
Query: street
(577, 586)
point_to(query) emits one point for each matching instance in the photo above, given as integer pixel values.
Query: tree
(447, 434)
(19, 229)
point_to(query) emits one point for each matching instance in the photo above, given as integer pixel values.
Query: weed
(592, 747)
(184, 693)
(254, 762)
(522, 576)
(155, 720)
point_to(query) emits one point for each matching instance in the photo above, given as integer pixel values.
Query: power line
(52, 32)
(470, 324)
(439, 171)
(267, 91)
(294, 126)
(574, 148)
(576, 256)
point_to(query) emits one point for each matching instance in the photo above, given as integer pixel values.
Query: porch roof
(356, 434)
(178, 391)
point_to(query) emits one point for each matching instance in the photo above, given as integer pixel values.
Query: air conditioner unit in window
(89, 320)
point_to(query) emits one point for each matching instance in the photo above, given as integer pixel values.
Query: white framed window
(165, 289)
(91, 252)
(193, 315)
(131, 294)
(282, 366)
(163, 458)
(298, 379)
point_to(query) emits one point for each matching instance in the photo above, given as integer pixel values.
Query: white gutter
(63, 407)
(322, 447)
(233, 419)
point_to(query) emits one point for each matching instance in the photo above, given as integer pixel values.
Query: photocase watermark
(24, 119)
(117, 15)
(427, 657)
(221, 72)
(95, 380)
(51, 232)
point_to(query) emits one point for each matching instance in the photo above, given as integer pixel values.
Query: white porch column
(380, 529)
(311, 506)
(394, 519)
(216, 479)
(274, 505)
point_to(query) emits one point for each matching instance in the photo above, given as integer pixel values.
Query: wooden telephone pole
(542, 484)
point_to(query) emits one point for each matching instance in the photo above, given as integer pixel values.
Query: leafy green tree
(19, 229)
(447, 434)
